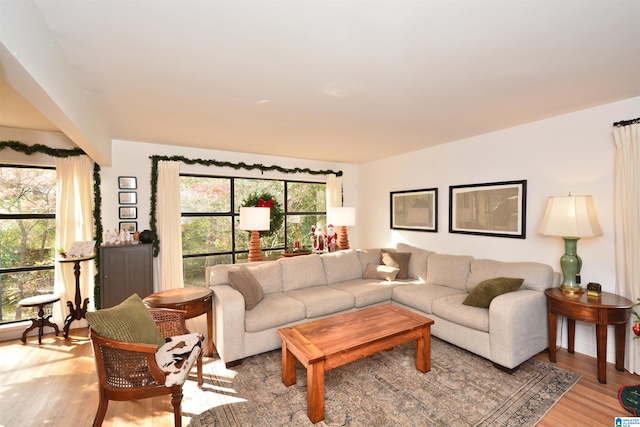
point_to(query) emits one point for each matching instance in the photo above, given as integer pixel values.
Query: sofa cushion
(451, 308)
(302, 272)
(219, 274)
(482, 295)
(322, 300)
(129, 321)
(380, 272)
(537, 276)
(368, 256)
(399, 260)
(368, 292)
(418, 261)
(422, 296)
(341, 266)
(274, 310)
(269, 275)
(449, 270)
(243, 281)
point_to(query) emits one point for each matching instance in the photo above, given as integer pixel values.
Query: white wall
(570, 153)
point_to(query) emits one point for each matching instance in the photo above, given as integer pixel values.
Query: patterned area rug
(384, 389)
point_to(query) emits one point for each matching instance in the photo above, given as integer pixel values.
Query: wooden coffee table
(328, 343)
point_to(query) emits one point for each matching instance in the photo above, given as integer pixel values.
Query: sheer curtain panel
(627, 221)
(74, 222)
(334, 194)
(169, 226)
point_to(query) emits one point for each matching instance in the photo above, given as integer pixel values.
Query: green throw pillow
(243, 281)
(129, 321)
(398, 260)
(482, 295)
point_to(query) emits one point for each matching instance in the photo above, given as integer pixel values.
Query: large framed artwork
(415, 210)
(491, 209)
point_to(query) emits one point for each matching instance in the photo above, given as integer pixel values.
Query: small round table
(41, 321)
(195, 301)
(79, 311)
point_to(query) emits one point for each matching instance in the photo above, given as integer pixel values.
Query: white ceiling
(349, 81)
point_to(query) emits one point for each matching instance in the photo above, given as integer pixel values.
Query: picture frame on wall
(127, 212)
(130, 226)
(127, 182)
(127, 197)
(415, 210)
(490, 209)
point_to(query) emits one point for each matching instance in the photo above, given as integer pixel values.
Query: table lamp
(343, 217)
(571, 218)
(255, 219)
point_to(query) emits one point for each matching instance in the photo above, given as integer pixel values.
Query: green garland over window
(97, 196)
(153, 223)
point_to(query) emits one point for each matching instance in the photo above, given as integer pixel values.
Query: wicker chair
(129, 371)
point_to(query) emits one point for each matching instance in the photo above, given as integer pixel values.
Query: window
(210, 214)
(27, 237)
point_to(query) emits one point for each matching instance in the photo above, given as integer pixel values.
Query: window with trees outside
(210, 209)
(27, 237)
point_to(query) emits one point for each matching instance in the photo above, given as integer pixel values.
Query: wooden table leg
(288, 366)
(210, 331)
(423, 351)
(571, 335)
(601, 352)
(621, 335)
(315, 391)
(553, 330)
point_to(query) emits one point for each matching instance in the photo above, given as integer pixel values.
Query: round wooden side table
(195, 301)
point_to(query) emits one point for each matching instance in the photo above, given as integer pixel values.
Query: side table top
(606, 300)
(177, 296)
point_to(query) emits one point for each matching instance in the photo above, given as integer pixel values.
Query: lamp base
(255, 251)
(571, 290)
(343, 238)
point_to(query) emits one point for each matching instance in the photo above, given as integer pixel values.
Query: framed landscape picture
(415, 210)
(128, 213)
(127, 182)
(127, 197)
(492, 209)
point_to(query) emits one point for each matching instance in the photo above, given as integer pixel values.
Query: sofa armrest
(228, 331)
(518, 327)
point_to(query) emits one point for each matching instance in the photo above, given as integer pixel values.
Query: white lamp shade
(570, 216)
(255, 219)
(343, 216)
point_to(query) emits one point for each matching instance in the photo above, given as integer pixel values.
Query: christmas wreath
(266, 200)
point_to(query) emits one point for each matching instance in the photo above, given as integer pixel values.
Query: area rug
(629, 397)
(384, 389)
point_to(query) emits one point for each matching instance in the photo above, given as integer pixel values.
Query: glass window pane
(205, 194)
(303, 229)
(306, 197)
(205, 235)
(16, 286)
(27, 242)
(27, 190)
(195, 268)
(245, 188)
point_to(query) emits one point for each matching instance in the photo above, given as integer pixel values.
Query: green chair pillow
(129, 321)
(482, 295)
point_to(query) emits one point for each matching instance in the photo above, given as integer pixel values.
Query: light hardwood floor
(54, 384)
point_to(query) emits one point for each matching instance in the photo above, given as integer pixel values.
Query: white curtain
(334, 194)
(74, 222)
(169, 226)
(627, 224)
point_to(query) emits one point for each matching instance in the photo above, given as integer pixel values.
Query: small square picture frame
(128, 212)
(127, 182)
(130, 226)
(127, 197)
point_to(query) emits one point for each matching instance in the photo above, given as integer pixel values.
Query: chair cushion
(129, 321)
(482, 295)
(243, 281)
(177, 357)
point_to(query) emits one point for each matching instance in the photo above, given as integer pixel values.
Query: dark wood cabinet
(125, 270)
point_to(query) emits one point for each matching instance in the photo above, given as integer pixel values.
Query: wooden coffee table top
(325, 337)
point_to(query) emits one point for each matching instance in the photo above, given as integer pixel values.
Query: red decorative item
(265, 203)
(636, 329)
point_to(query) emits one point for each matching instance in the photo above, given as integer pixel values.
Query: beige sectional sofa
(310, 287)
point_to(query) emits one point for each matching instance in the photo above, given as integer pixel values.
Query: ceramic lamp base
(255, 251)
